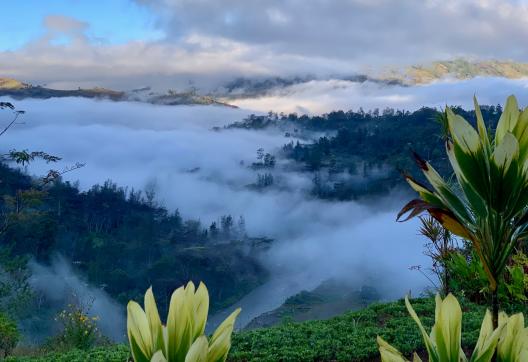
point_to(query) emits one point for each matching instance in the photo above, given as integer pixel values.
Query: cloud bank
(316, 97)
(138, 144)
(208, 42)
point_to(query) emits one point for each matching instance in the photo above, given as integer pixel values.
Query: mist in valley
(203, 172)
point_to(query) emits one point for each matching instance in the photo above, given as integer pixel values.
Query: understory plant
(440, 247)
(488, 203)
(9, 335)
(78, 328)
(182, 339)
(509, 341)
(469, 279)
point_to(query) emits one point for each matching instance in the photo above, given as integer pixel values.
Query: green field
(349, 337)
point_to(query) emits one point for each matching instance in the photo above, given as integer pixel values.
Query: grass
(117, 353)
(349, 337)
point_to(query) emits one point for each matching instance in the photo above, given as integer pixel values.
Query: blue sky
(111, 21)
(131, 43)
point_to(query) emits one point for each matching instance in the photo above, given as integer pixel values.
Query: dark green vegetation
(114, 353)
(120, 240)
(350, 337)
(9, 335)
(363, 153)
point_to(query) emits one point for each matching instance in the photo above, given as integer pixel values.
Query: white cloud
(136, 144)
(317, 97)
(209, 42)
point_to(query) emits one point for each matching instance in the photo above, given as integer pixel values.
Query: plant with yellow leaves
(182, 339)
(488, 205)
(509, 340)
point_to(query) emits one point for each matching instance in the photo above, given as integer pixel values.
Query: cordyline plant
(508, 342)
(182, 339)
(488, 203)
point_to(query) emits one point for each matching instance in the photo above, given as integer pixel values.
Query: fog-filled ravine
(184, 158)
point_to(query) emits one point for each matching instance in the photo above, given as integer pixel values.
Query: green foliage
(79, 330)
(117, 353)
(444, 343)
(373, 145)
(9, 335)
(349, 337)
(469, 279)
(121, 240)
(182, 339)
(488, 203)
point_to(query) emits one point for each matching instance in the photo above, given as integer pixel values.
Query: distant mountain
(19, 90)
(457, 69)
(9, 83)
(240, 88)
(257, 87)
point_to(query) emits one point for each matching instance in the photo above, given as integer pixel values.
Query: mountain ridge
(19, 90)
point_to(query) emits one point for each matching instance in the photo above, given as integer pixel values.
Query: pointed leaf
(138, 332)
(220, 342)
(158, 357)
(154, 321)
(507, 120)
(198, 351)
(389, 353)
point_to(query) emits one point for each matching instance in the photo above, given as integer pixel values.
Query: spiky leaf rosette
(183, 339)
(487, 204)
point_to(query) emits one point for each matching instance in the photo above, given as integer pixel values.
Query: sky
(132, 43)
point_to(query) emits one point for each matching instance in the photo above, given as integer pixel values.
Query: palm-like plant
(488, 203)
(183, 339)
(509, 341)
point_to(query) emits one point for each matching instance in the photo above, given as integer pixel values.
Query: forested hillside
(357, 154)
(120, 240)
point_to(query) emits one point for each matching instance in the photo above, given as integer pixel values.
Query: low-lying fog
(320, 96)
(142, 145)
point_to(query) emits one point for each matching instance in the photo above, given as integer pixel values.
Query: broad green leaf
(431, 350)
(198, 351)
(481, 126)
(521, 133)
(513, 339)
(179, 326)
(487, 342)
(138, 332)
(154, 321)
(220, 342)
(158, 357)
(506, 152)
(463, 133)
(507, 120)
(448, 328)
(201, 308)
(389, 353)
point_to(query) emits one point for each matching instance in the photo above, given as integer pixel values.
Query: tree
(488, 203)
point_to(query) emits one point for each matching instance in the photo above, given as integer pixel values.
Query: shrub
(509, 341)
(79, 330)
(9, 335)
